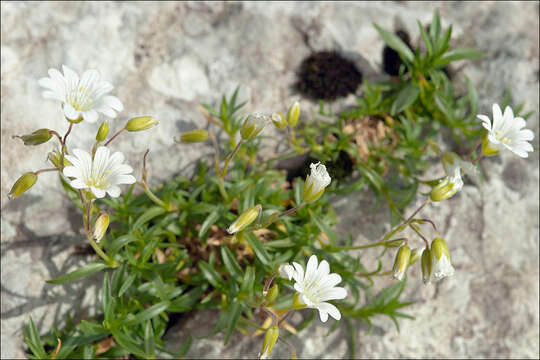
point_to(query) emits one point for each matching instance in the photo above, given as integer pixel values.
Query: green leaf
(186, 301)
(86, 270)
(473, 97)
(395, 43)
(427, 40)
(234, 313)
(210, 274)
(435, 27)
(184, 348)
(258, 249)
(149, 313)
(210, 220)
(231, 264)
(125, 286)
(443, 45)
(34, 342)
(147, 216)
(127, 343)
(249, 280)
(443, 105)
(120, 242)
(105, 296)
(149, 344)
(406, 97)
(458, 54)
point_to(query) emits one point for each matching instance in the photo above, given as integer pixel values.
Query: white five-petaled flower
(316, 286)
(507, 131)
(82, 97)
(316, 182)
(101, 175)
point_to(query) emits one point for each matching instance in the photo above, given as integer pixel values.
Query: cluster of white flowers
(83, 99)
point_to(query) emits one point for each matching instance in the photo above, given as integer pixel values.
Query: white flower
(316, 182)
(506, 131)
(286, 271)
(102, 174)
(317, 286)
(440, 259)
(84, 97)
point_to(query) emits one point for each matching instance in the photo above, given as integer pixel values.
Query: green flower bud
(140, 123)
(293, 114)
(103, 131)
(415, 256)
(487, 149)
(270, 339)
(444, 190)
(24, 183)
(440, 259)
(272, 293)
(426, 266)
(101, 226)
(401, 262)
(279, 120)
(246, 218)
(37, 137)
(194, 136)
(54, 158)
(253, 125)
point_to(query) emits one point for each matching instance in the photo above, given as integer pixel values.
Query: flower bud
(194, 136)
(401, 262)
(270, 340)
(37, 137)
(140, 123)
(487, 149)
(245, 219)
(24, 183)
(415, 256)
(279, 120)
(444, 190)
(253, 125)
(54, 158)
(272, 293)
(285, 271)
(426, 266)
(440, 259)
(293, 114)
(100, 227)
(315, 183)
(103, 131)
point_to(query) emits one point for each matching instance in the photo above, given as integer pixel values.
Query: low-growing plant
(225, 237)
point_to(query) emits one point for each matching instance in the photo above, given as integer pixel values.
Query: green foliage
(170, 242)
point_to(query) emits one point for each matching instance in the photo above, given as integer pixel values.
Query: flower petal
(113, 102)
(114, 191)
(98, 192)
(497, 118)
(70, 112)
(335, 293)
(311, 268)
(328, 308)
(90, 116)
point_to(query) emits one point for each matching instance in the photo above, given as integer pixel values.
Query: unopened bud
(272, 293)
(103, 131)
(253, 125)
(55, 156)
(415, 256)
(270, 339)
(246, 218)
(440, 259)
(401, 262)
(315, 183)
(194, 136)
(426, 266)
(444, 190)
(140, 123)
(37, 137)
(101, 226)
(293, 114)
(279, 120)
(24, 183)
(487, 149)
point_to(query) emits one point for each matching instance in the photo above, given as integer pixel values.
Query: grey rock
(166, 58)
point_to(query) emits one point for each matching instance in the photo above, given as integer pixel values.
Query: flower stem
(229, 158)
(45, 170)
(357, 247)
(89, 236)
(222, 189)
(114, 136)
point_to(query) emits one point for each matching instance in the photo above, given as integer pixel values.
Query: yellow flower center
(499, 135)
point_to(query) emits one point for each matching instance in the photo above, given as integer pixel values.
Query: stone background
(166, 58)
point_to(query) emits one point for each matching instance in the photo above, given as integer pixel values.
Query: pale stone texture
(166, 58)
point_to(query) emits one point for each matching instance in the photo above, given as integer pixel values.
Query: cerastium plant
(242, 237)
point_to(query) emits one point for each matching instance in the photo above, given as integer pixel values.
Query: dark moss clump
(391, 59)
(326, 75)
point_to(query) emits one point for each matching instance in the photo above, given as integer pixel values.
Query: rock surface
(165, 59)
